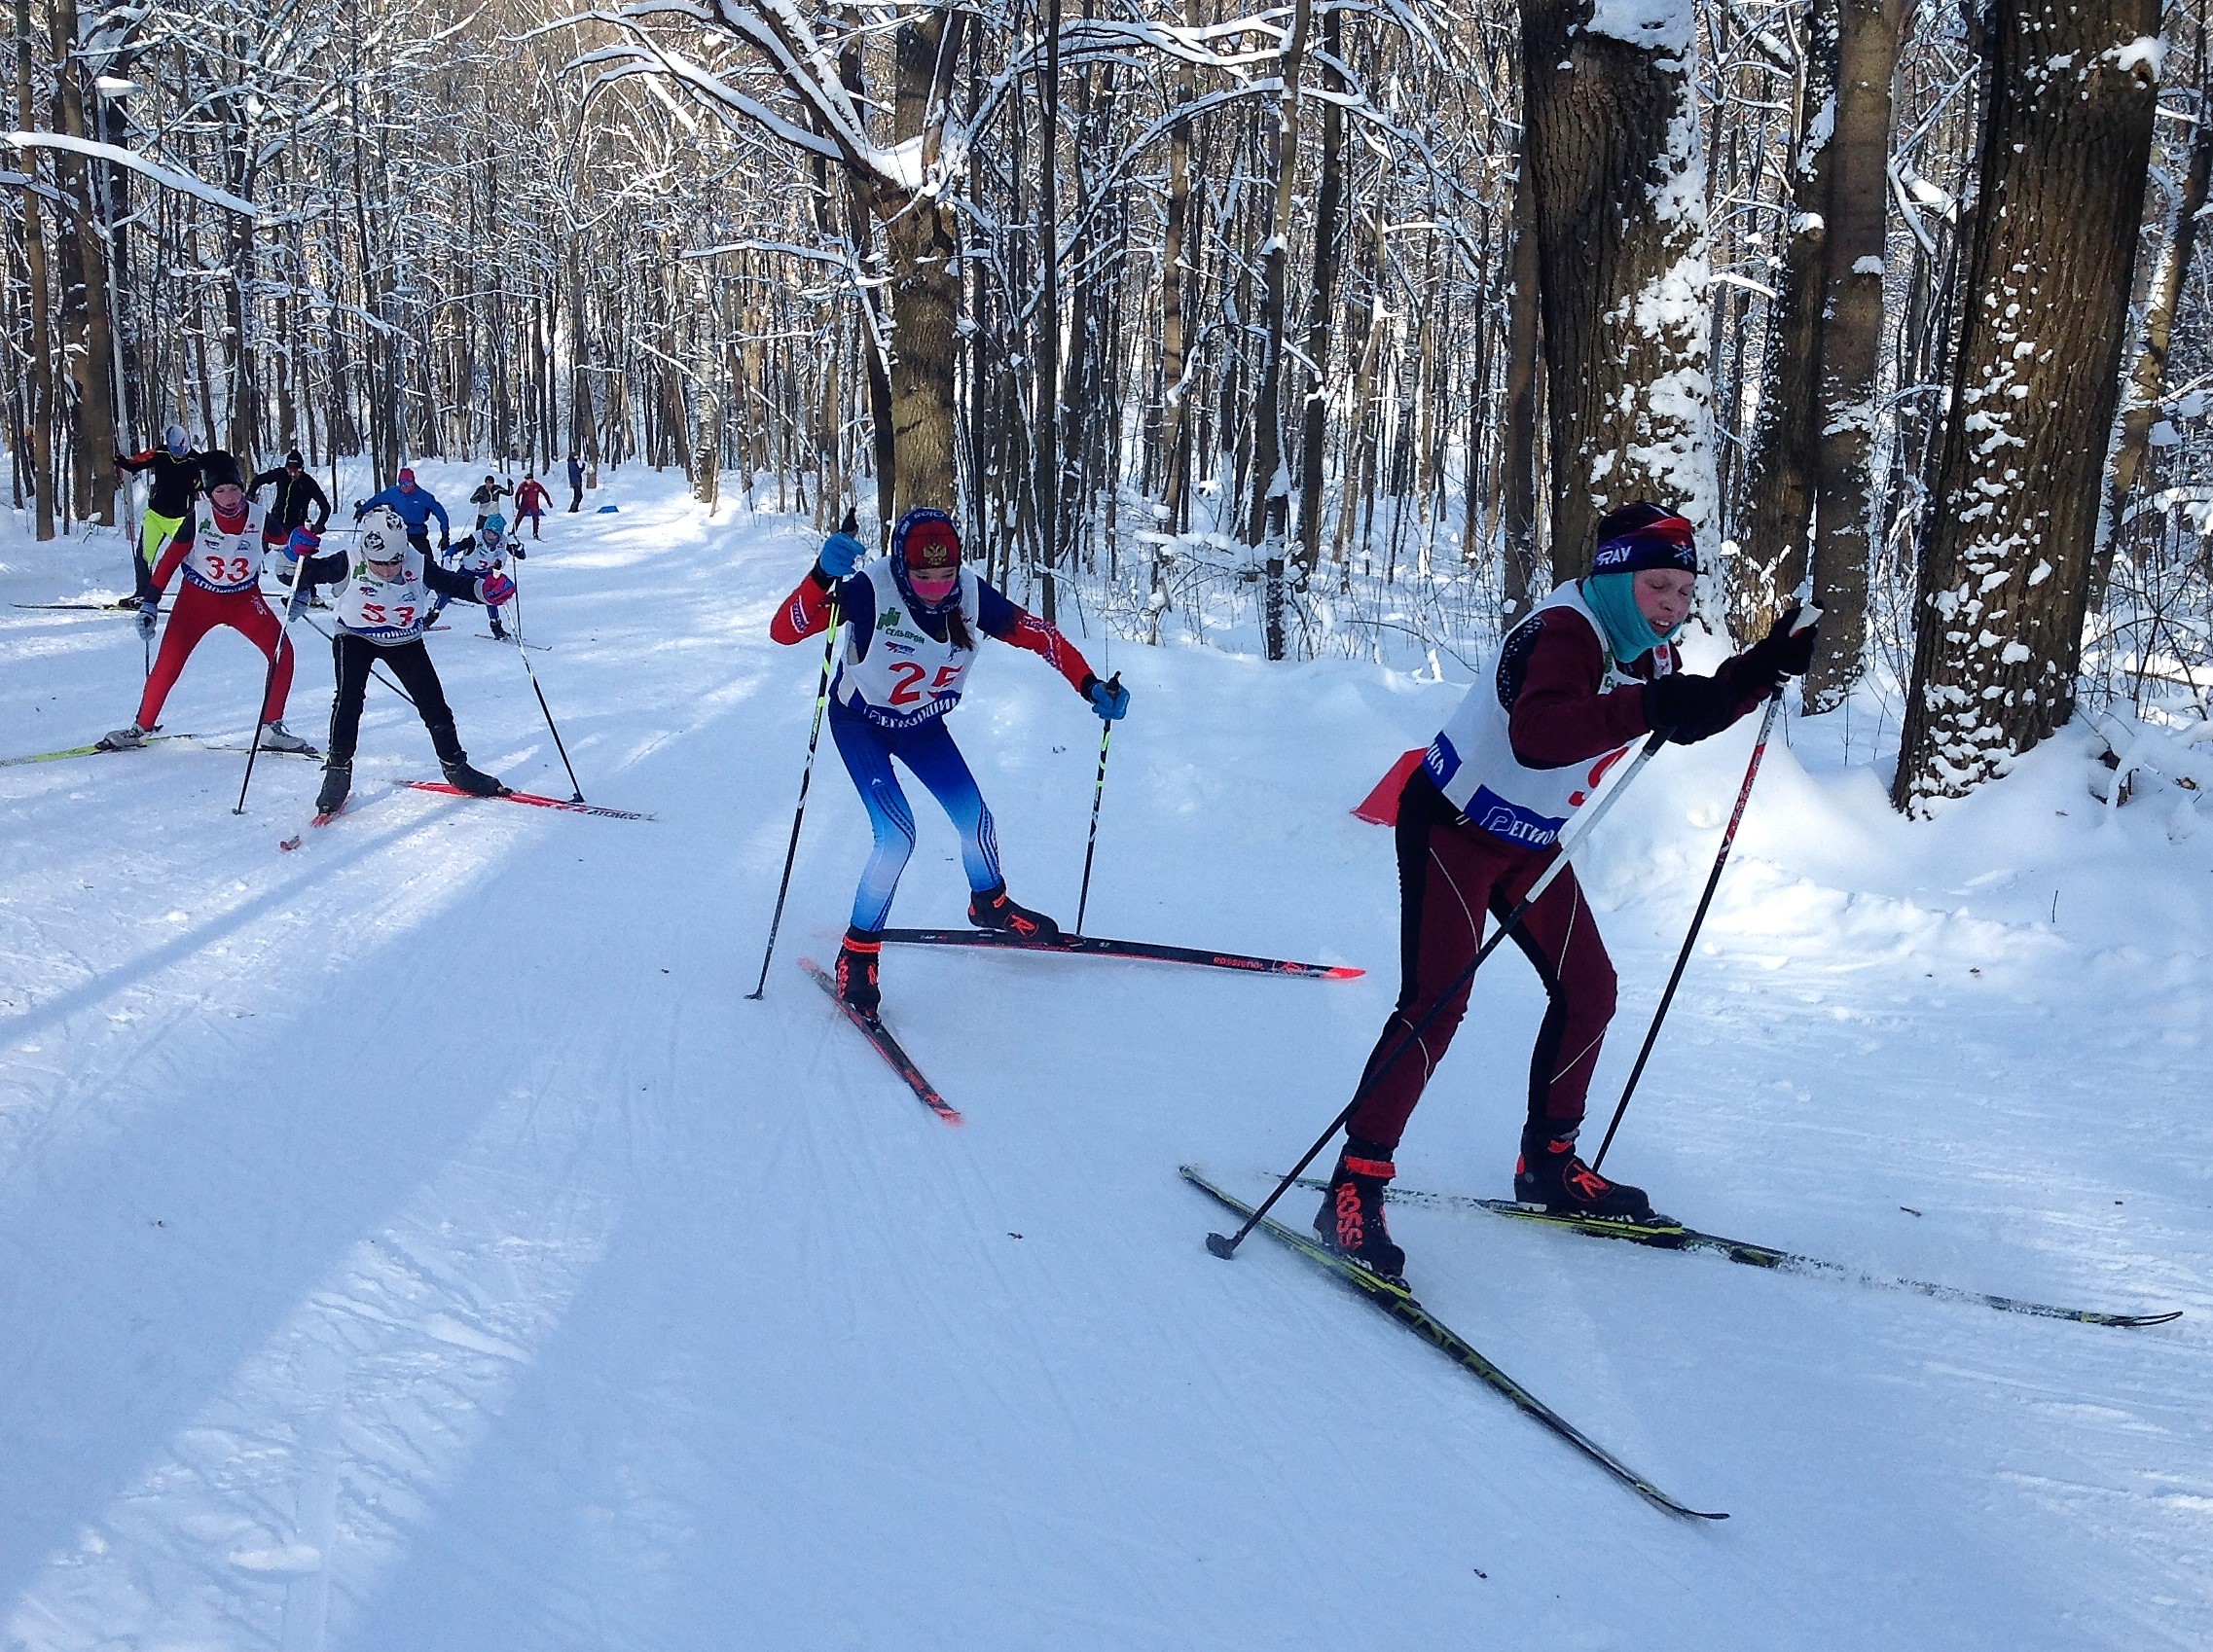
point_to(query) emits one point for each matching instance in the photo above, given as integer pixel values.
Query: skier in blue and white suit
(912, 621)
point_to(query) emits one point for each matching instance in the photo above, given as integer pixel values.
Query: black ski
(1400, 1302)
(1098, 946)
(873, 1029)
(510, 642)
(81, 607)
(1665, 1234)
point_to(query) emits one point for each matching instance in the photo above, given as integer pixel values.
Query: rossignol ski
(95, 749)
(1098, 946)
(873, 1029)
(1400, 1303)
(1665, 1234)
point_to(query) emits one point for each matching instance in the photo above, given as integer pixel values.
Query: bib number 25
(906, 676)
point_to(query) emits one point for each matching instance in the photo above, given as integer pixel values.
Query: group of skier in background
(205, 522)
(1585, 675)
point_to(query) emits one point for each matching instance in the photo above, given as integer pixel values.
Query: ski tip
(2137, 1322)
(289, 844)
(1342, 972)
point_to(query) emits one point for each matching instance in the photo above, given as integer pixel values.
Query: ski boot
(124, 739)
(990, 908)
(1551, 1175)
(858, 959)
(498, 632)
(456, 763)
(338, 781)
(1351, 1221)
(275, 737)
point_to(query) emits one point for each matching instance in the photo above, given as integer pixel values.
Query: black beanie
(218, 468)
(1642, 535)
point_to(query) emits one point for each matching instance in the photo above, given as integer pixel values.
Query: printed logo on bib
(1512, 822)
(1441, 761)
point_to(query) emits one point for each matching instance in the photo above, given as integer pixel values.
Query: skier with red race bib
(912, 623)
(387, 588)
(1592, 670)
(219, 548)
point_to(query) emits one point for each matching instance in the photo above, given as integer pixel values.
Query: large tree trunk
(1620, 201)
(92, 341)
(1851, 342)
(925, 289)
(1771, 560)
(2007, 575)
(39, 393)
(1523, 387)
(1328, 212)
(1270, 499)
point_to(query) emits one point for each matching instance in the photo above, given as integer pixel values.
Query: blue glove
(840, 554)
(1111, 700)
(495, 589)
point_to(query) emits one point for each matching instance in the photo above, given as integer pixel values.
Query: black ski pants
(409, 662)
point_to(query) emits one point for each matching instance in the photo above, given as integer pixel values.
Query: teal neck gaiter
(1613, 598)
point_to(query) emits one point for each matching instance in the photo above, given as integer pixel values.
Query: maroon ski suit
(1451, 872)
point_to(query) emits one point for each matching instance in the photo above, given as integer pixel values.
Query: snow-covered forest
(411, 1236)
(1344, 328)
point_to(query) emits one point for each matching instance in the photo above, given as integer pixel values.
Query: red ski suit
(1451, 872)
(199, 611)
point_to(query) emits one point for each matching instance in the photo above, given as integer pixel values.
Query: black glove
(122, 459)
(519, 553)
(148, 613)
(444, 543)
(1690, 708)
(1778, 655)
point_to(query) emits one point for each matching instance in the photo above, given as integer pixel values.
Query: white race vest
(224, 562)
(907, 676)
(1473, 759)
(387, 611)
(471, 558)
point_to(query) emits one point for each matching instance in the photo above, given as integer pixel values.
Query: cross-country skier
(296, 494)
(575, 484)
(487, 499)
(912, 624)
(1588, 673)
(219, 546)
(531, 500)
(388, 585)
(414, 505)
(174, 480)
(484, 552)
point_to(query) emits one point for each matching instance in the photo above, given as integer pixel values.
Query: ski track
(417, 1240)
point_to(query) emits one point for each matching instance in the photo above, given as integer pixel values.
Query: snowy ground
(417, 1241)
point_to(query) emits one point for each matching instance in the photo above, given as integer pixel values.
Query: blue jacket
(414, 508)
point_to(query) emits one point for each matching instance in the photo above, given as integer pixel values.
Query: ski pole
(1569, 842)
(1097, 793)
(1713, 880)
(806, 775)
(523, 654)
(277, 654)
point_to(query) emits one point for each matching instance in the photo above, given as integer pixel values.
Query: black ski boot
(991, 909)
(456, 763)
(338, 781)
(1550, 1173)
(856, 969)
(498, 632)
(1351, 1220)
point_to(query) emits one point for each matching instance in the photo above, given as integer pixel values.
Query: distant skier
(298, 495)
(414, 505)
(575, 484)
(388, 585)
(912, 621)
(531, 500)
(487, 499)
(219, 545)
(175, 481)
(1588, 673)
(484, 552)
